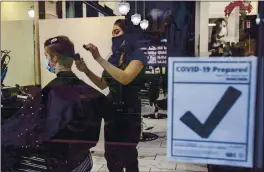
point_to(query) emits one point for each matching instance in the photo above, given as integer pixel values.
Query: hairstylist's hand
(81, 66)
(94, 51)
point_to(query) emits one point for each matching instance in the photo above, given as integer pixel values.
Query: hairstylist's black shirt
(128, 94)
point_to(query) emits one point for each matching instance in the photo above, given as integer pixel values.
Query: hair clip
(54, 40)
(51, 41)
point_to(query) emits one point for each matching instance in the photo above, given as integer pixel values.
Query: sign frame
(193, 159)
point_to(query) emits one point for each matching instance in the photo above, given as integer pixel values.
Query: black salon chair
(160, 105)
(22, 159)
(152, 93)
(147, 104)
(42, 159)
(45, 158)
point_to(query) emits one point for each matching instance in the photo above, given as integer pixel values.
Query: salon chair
(13, 98)
(152, 93)
(44, 158)
(25, 160)
(146, 107)
(161, 105)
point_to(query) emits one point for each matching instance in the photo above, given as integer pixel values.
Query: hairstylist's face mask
(118, 44)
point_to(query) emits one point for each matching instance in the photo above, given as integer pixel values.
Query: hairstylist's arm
(99, 82)
(122, 76)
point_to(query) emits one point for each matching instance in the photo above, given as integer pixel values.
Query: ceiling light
(257, 20)
(123, 8)
(31, 12)
(136, 18)
(144, 24)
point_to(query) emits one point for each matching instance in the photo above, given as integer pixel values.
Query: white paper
(196, 86)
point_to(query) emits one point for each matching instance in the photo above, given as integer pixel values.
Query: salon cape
(66, 102)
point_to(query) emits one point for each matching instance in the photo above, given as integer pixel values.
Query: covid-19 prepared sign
(211, 109)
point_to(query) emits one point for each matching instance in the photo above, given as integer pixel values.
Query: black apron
(124, 99)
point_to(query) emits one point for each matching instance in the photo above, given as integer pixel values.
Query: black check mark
(229, 98)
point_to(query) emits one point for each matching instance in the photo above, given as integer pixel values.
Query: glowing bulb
(136, 18)
(123, 8)
(31, 12)
(144, 24)
(257, 20)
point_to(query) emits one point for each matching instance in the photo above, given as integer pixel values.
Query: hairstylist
(123, 74)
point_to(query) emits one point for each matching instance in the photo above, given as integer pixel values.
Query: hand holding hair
(81, 66)
(94, 51)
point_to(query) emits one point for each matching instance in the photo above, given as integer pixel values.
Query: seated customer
(64, 118)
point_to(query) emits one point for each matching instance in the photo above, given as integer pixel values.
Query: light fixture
(136, 18)
(31, 12)
(257, 20)
(144, 23)
(163, 40)
(123, 7)
(211, 24)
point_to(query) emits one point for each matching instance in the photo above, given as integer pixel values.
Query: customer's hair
(63, 48)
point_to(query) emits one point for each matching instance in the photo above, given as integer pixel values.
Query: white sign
(248, 24)
(211, 110)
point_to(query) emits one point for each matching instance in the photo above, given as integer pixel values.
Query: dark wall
(78, 9)
(253, 31)
(180, 28)
(90, 11)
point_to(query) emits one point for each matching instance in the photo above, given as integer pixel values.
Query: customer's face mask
(118, 43)
(49, 66)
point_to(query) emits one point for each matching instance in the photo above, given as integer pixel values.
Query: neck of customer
(61, 68)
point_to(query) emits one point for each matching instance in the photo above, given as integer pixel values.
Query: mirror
(17, 31)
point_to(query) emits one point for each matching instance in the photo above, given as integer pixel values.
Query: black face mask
(118, 44)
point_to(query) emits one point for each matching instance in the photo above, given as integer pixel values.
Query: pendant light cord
(136, 6)
(144, 9)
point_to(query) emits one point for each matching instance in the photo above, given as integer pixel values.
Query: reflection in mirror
(238, 24)
(17, 31)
